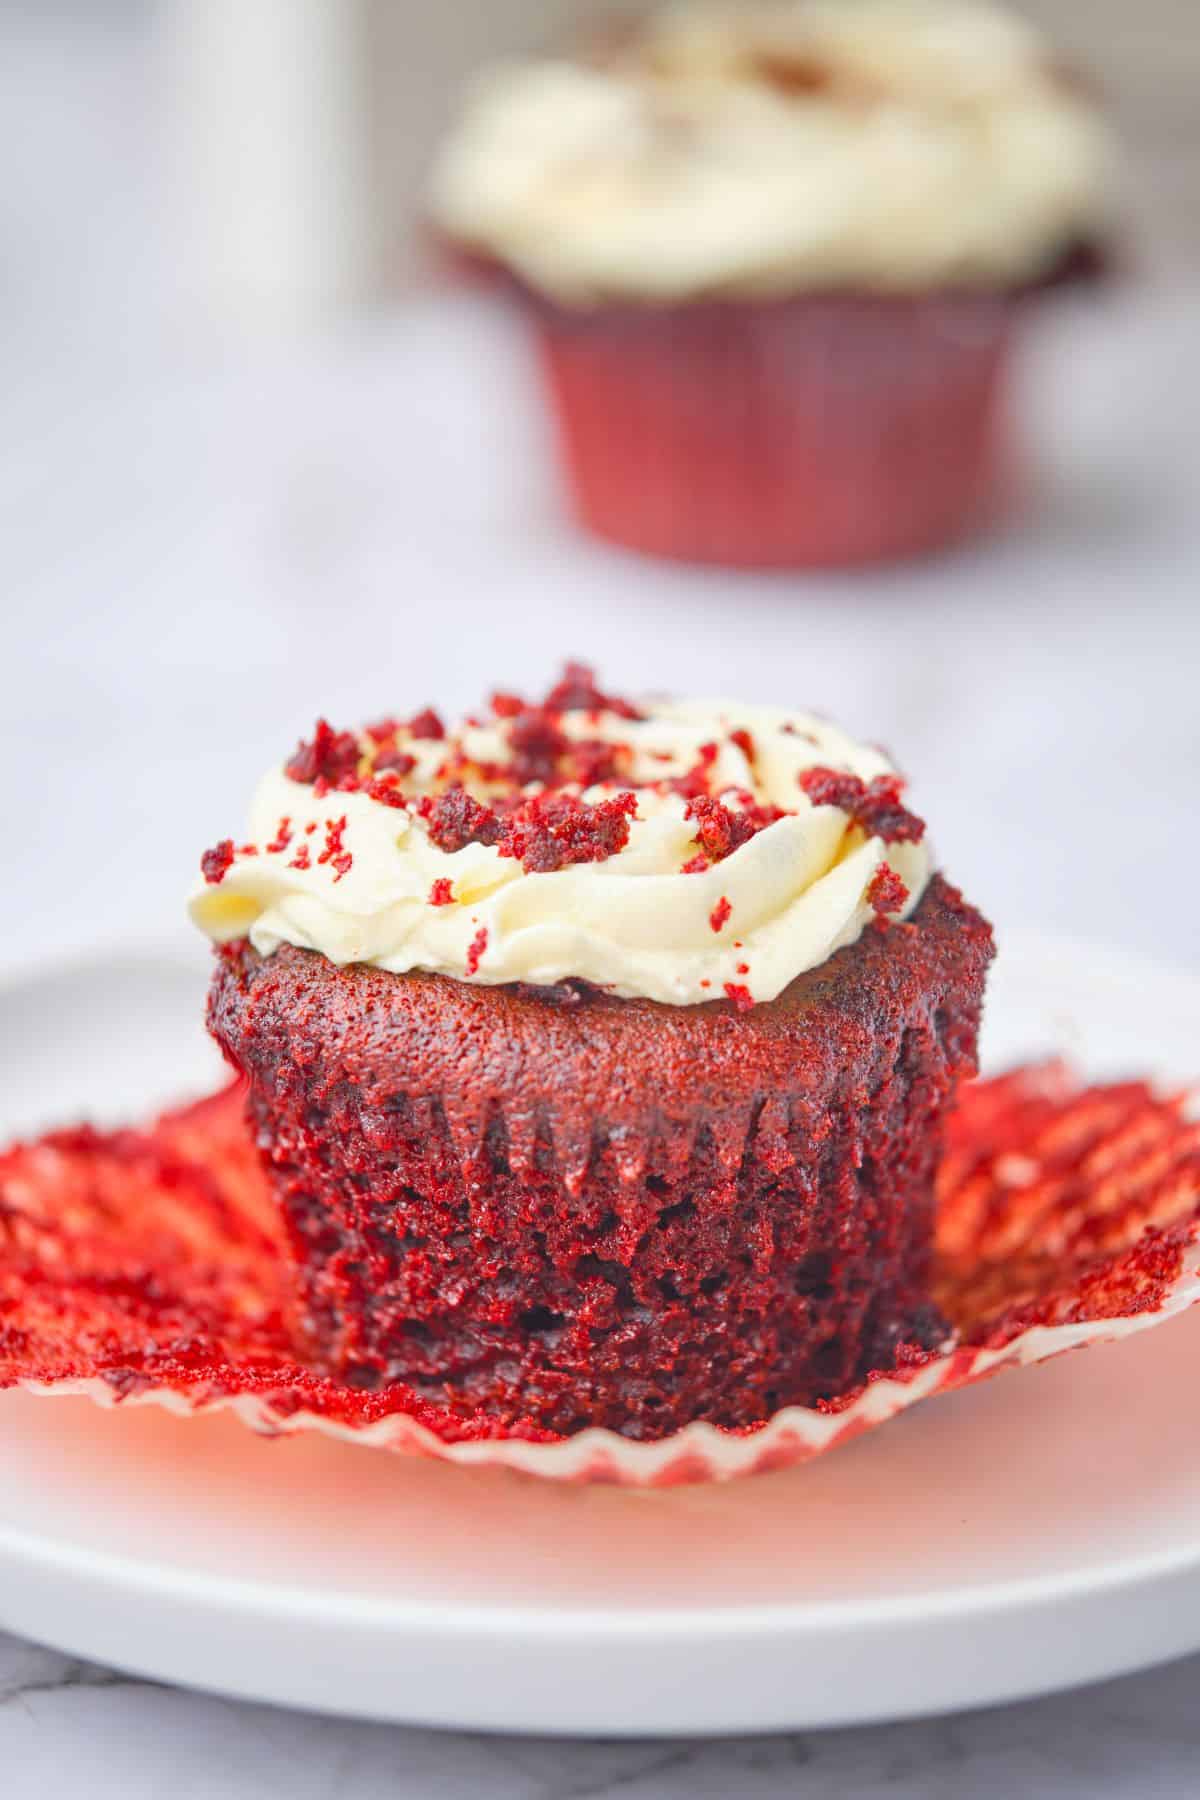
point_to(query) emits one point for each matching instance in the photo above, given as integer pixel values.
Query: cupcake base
(142, 1266)
(819, 430)
(570, 1210)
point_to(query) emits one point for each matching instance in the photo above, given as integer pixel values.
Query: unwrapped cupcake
(774, 255)
(599, 1055)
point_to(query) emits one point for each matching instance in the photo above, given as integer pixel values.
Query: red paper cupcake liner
(819, 430)
(145, 1266)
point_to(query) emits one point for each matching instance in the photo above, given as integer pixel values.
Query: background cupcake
(599, 1055)
(774, 254)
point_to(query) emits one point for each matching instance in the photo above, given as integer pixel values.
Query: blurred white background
(230, 498)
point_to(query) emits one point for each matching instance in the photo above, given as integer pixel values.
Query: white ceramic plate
(1038, 1531)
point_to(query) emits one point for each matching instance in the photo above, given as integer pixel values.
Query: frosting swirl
(681, 851)
(780, 146)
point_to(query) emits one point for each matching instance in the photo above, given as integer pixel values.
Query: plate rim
(761, 1618)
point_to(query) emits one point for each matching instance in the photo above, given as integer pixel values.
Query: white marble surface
(69, 1729)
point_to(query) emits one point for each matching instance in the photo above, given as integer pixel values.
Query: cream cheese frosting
(768, 148)
(725, 877)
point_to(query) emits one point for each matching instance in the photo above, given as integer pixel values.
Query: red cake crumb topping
(334, 852)
(591, 761)
(874, 806)
(721, 830)
(383, 730)
(537, 743)
(301, 860)
(215, 862)
(696, 865)
(576, 691)
(384, 789)
(885, 890)
(426, 724)
(475, 949)
(745, 743)
(546, 832)
(693, 784)
(442, 892)
(282, 838)
(743, 969)
(456, 820)
(391, 757)
(542, 752)
(741, 996)
(554, 831)
(330, 756)
(719, 916)
(507, 706)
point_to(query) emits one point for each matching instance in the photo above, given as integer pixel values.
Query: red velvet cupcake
(774, 255)
(599, 1055)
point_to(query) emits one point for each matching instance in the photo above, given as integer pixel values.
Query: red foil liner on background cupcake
(773, 257)
(820, 430)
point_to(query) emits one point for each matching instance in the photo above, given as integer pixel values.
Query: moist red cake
(570, 1208)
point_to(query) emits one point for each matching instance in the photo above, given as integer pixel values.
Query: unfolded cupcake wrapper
(820, 430)
(144, 1267)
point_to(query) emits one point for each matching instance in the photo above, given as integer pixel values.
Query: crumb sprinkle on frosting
(580, 836)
